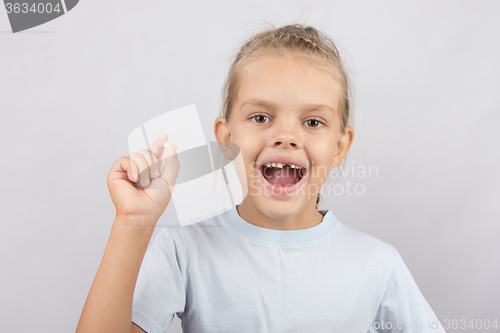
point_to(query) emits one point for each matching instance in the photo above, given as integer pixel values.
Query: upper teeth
(280, 165)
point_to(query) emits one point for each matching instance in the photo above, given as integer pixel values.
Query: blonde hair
(287, 41)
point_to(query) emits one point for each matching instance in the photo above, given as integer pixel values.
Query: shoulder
(366, 248)
(208, 233)
(210, 225)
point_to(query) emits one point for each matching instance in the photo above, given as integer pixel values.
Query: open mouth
(283, 174)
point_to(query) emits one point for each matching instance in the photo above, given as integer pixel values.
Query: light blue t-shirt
(226, 275)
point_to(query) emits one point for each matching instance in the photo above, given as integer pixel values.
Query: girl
(274, 263)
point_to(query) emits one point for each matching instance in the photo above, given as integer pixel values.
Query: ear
(343, 146)
(223, 136)
(221, 130)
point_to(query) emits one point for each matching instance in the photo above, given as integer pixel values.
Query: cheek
(250, 145)
(249, 152)
(321, 157)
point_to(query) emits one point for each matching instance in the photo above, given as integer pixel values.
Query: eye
(260, 119)
(314, 123)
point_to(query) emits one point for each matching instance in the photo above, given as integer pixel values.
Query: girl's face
(285, 112)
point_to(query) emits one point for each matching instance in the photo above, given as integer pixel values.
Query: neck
(307, 218)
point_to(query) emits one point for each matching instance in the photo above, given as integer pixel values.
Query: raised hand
(139, 187)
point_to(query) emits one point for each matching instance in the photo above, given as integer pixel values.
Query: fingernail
(156, 173)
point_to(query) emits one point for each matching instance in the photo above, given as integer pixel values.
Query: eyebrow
(271, 105)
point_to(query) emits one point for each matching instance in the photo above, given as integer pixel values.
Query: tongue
(281, 176)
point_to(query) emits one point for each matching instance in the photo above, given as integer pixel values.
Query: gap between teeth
(280, 165)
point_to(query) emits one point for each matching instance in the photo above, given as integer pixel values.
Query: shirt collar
(281, 236)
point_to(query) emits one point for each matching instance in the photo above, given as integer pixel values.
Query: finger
(123, 169)
(153, 164)
(134, 171)
(143, 169)
(171, 169)
(157, 147)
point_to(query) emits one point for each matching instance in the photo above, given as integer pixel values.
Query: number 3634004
(25, 8)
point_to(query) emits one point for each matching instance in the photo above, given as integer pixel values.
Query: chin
(279, 209)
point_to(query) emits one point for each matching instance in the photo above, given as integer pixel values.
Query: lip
(282, 159)
(283, 190)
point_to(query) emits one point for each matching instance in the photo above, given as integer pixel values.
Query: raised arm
(108, 307)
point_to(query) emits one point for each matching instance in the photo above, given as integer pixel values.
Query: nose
(286, 136)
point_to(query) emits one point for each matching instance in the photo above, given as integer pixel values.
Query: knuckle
(134, 155)
(148, 156)
(144, 173)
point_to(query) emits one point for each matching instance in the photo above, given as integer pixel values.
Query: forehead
(288, 82)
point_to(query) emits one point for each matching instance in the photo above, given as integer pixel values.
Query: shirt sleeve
(403, 308)
(159, 291)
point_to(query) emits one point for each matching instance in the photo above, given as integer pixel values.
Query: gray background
(426, 79)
